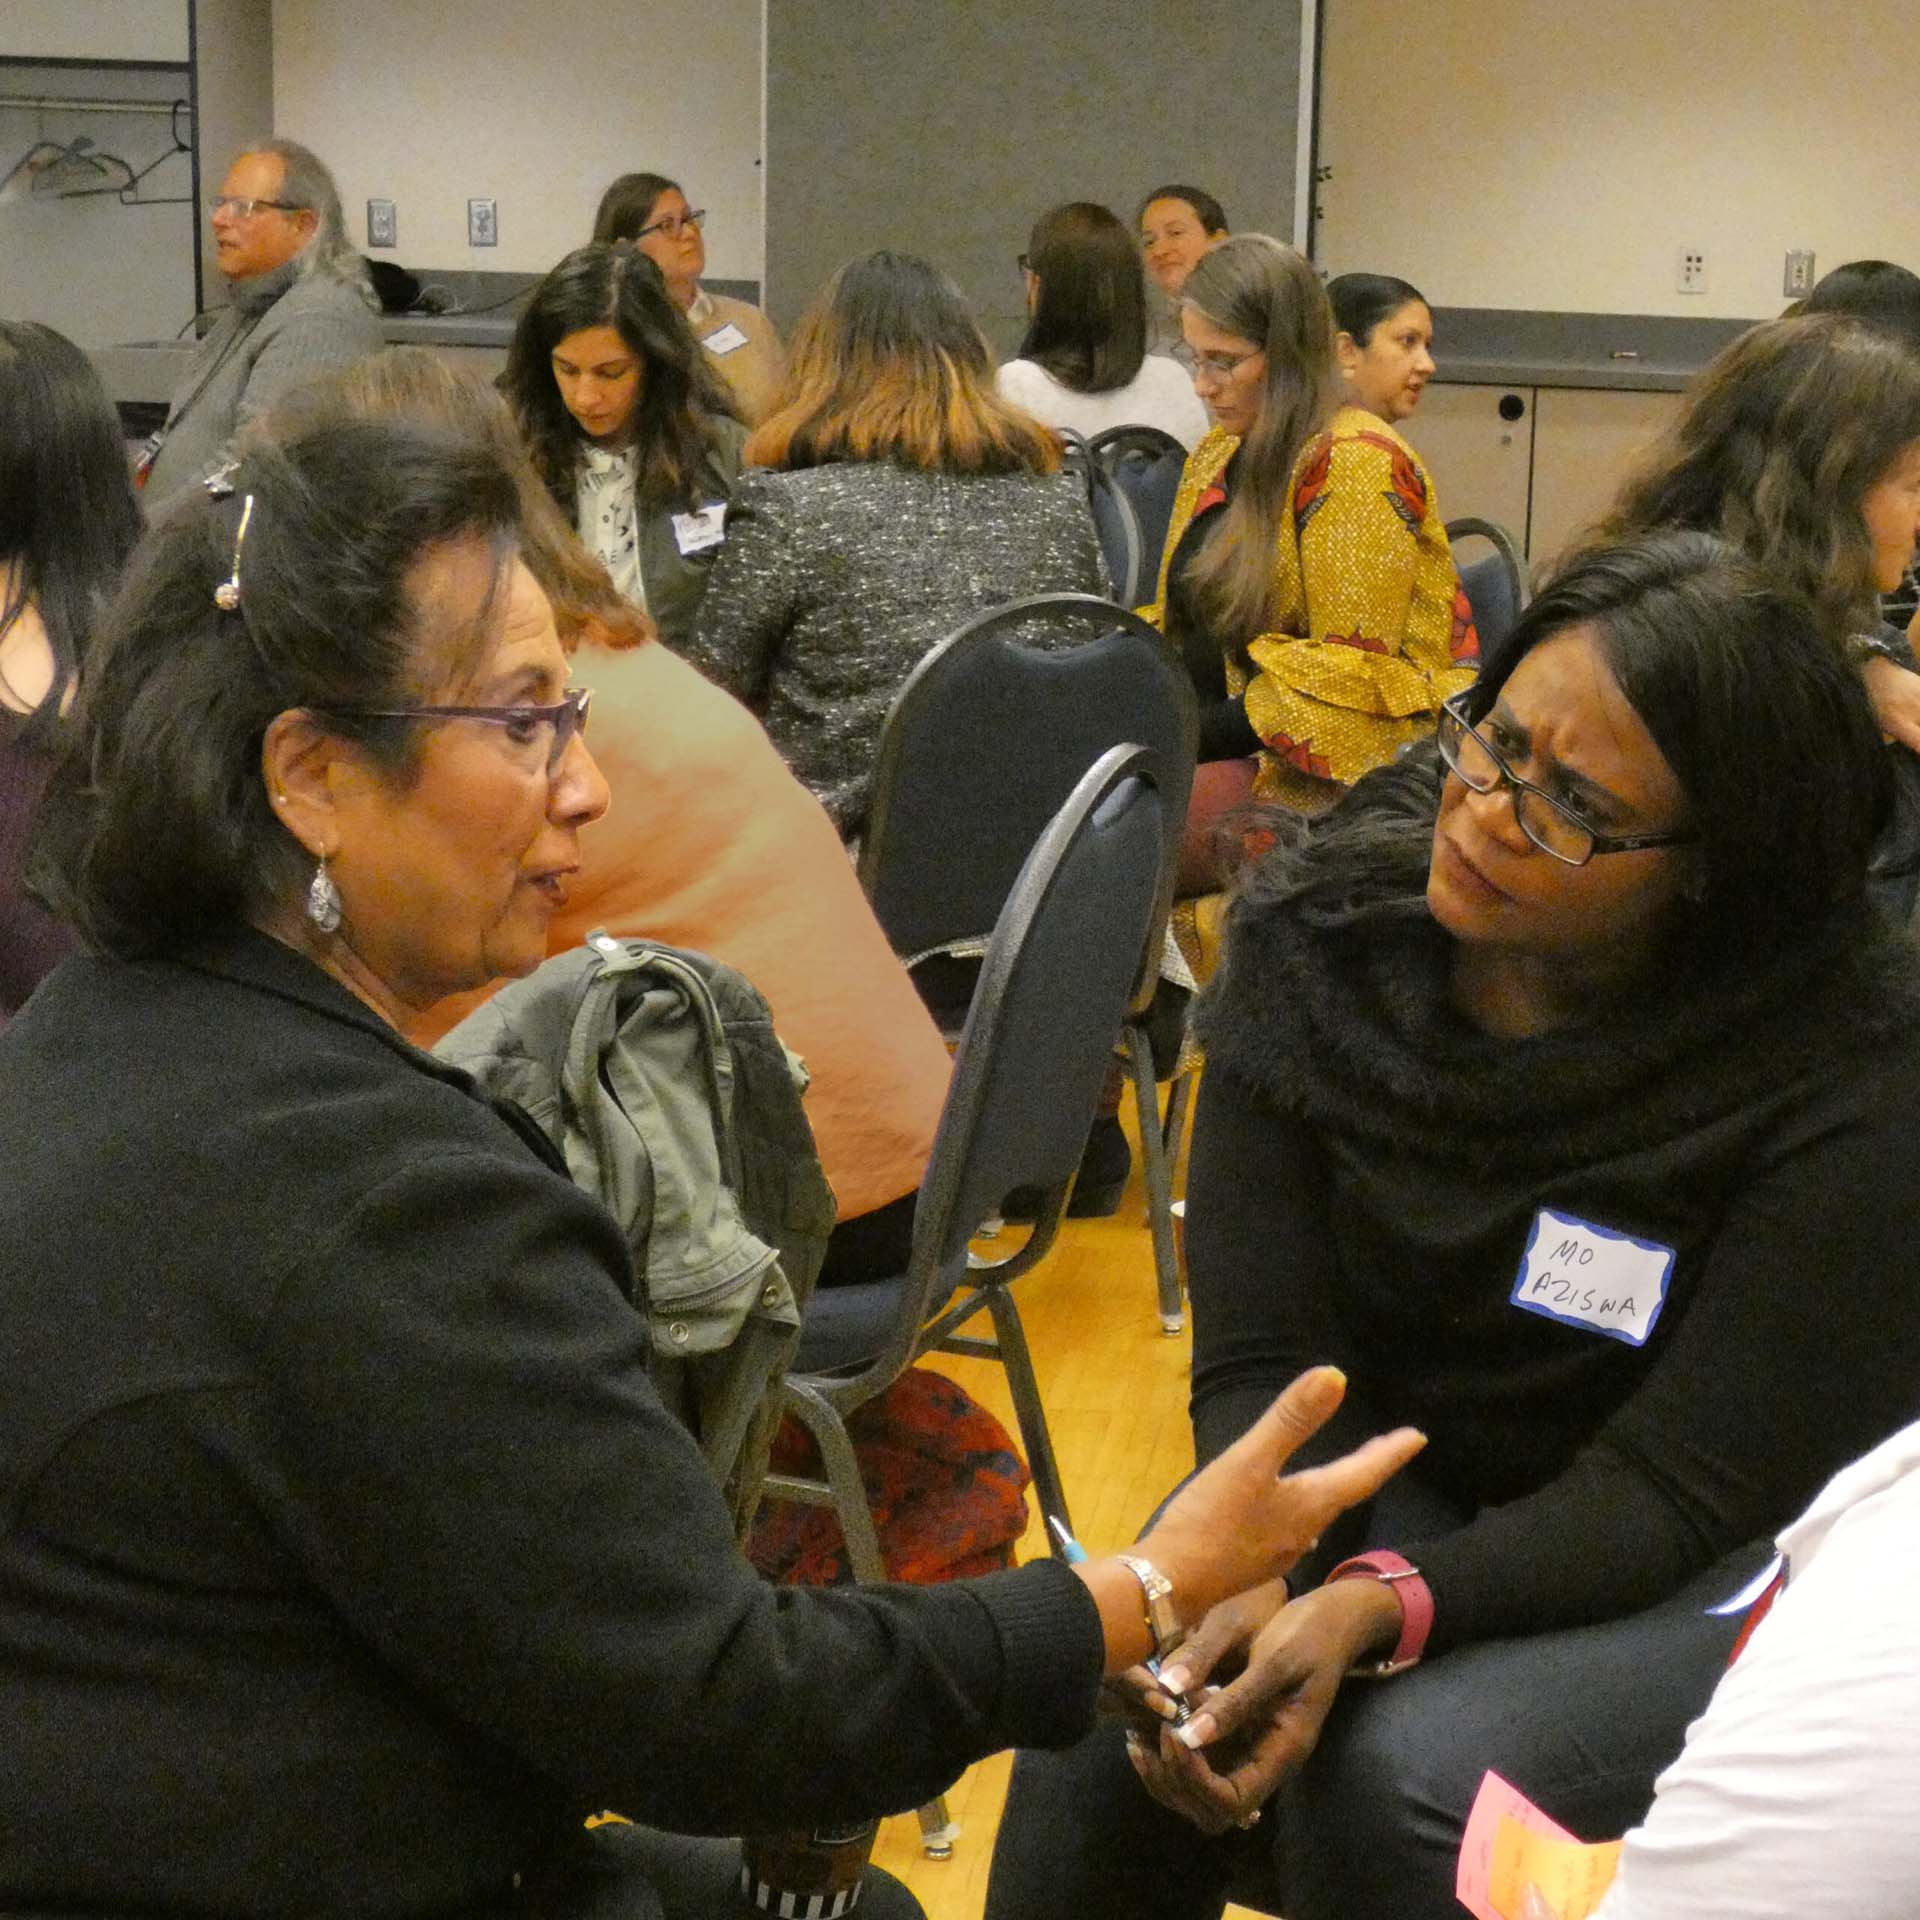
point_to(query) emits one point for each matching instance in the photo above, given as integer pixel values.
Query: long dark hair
(68, 513)
(627, 202)
(1089, 324)
(888, 364)
(1360, 301)
(1779, 441)
(1768, 732)
(617, 287)
(1256, 289)
(156, 829)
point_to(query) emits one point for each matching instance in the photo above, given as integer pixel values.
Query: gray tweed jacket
(835, 580)
(279, 331)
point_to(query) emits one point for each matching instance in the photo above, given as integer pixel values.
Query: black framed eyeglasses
(526, 727)
(244, 207)
(1550, 824)
(1020, 261)
(672, 224)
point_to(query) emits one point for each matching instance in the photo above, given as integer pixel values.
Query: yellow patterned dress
(1371, 628)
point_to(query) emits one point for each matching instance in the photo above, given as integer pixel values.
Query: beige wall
(1542, 154)
(535, 107)
(94, 29)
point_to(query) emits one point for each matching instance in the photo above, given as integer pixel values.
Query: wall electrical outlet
(1798, 281)
(1692, 277)
(483, 224)
(383, 228)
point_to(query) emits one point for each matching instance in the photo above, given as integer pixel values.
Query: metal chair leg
(1024, 1386)
(1157, 1166)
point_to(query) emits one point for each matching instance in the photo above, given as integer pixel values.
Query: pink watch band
(1416, 1604)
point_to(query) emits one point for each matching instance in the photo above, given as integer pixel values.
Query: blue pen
(1075, 1554)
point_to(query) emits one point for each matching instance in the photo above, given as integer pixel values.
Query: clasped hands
(1280, 1662)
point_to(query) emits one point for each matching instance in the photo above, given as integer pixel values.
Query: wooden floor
(1115, 1390)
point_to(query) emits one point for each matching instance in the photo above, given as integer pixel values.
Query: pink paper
(1496, 1801)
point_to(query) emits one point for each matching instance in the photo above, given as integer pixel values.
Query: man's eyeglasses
(671, 226)
(1550, 824)
(243, 207)
(543, 733)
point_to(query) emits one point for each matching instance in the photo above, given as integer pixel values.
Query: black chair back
(985, 741)
(1120, 449)
(1495, 584)
(1053, 988)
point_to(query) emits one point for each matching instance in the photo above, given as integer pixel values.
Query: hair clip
(219, 483)
(226, 596)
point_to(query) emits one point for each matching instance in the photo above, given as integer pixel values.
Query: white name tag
(724, 339)
(696, 532)
(1593, 1277)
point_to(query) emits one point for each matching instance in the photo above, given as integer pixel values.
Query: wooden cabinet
(1544, 462)
(1586, 441)
(1477, 446)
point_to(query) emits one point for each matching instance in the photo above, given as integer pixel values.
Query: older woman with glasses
(738, 339)
(1560, 1087)
(351, 1557)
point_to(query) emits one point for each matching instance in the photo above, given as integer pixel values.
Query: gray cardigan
(835, 580)
(279, 331)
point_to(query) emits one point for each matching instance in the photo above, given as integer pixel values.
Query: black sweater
(1367, 1170)
(347, 1556)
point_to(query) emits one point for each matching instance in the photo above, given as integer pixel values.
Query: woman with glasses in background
(628, 425)
(1306, 579)
(738, 339)
(1559, 1089)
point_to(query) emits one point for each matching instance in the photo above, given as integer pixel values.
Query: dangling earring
(323, 899)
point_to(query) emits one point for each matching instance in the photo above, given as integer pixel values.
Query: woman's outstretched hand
(1243, 1519)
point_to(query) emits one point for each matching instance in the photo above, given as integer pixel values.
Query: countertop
(1649, 353)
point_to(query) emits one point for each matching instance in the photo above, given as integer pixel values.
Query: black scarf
(1335, 1003)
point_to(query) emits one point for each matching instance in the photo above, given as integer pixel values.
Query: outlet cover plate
(1692, 274)
(1797, 283)
(483, 224)
(383, 227)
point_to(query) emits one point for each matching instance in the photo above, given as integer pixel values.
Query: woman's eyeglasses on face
(1223, 366)
(549, 730)
(1550, 824)
(671, 226)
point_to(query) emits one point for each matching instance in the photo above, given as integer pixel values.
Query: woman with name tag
(738, 339)
(1560, 1087)
(636, 439)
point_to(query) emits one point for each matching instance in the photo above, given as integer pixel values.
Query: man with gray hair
(301, 306)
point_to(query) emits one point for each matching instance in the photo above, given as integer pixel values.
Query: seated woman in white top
(1084, 364)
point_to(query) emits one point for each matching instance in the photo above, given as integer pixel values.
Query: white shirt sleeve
(1797, 1796)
